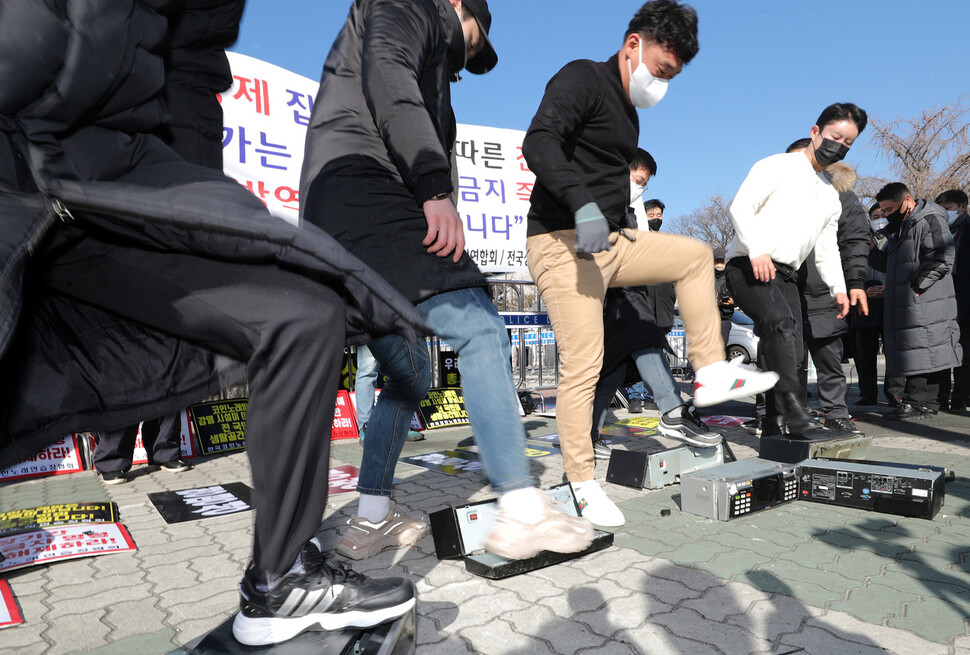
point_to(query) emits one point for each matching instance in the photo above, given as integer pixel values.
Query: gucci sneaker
(326, 595)
(723, 381)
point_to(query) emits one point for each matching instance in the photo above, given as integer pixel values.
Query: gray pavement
(799, 578)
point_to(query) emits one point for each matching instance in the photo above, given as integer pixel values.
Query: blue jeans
(365, 383)
(468, 321)
(655, 372)
(637, 390)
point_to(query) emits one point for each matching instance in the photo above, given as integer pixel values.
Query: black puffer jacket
(819, 310)
(920, 316)
(381, 138)
(81, 104)
(628, 326)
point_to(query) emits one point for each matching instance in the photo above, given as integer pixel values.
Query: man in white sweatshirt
(783, 209)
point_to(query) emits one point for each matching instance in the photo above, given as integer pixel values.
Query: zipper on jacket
(55, 211)
(62, 212)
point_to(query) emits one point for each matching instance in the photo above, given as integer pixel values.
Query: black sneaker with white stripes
(685, 424)
(326, 596)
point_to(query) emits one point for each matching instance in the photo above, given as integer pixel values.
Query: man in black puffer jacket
(921, 331)
(135, 279)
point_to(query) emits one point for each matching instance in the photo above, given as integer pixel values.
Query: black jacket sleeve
(569, 97)
(853, 238)
(396, 46)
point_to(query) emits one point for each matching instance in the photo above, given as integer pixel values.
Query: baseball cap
(719, 253)
(486, 58)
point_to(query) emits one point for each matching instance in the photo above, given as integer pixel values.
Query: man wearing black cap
(378, 177)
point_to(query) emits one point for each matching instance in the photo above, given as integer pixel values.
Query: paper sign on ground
(202, 502)
(63, 542)
(725, 421)
(451, 462)
(343, 479)
(63, 456)
(34, 518)
(443, 407)
(10, 613)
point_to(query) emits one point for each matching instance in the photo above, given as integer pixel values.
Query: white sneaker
(723, 381)
(596, 506)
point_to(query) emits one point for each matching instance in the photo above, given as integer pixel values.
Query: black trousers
(961, 375)
(290, 332)
(827, 355)
(924, 390)
(775, 308)
(161, 438)
(866, 355)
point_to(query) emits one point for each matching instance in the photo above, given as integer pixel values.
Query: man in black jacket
(921, 330)
(378, 177)
(580, 144)
(137, 278)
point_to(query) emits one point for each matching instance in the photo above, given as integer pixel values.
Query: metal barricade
(535, 359)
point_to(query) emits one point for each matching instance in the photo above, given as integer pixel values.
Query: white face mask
(952, 215)
(636, 191)
(877, 224)
(645, 89)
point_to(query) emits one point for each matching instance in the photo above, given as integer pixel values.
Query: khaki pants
(573, 289)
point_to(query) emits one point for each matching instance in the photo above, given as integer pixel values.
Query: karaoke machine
(888, 487)
(738, 488)
(829, 444)
(657, 470)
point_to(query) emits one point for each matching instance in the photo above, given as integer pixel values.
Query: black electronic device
(887, 487)
(831, 444)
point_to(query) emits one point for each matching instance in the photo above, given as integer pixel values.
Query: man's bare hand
(445, 234)
(842, 301)
(763, 267)
(858, 299)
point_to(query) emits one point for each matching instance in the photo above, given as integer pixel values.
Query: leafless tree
(711, 223)
(929, 153)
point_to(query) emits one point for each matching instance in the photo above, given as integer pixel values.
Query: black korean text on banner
(220, 425)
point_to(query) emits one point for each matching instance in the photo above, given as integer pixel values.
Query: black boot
(774, 426)
(799, 420)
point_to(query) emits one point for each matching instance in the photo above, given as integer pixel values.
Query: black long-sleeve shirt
(580, 145)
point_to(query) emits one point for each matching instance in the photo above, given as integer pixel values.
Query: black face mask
(654, 224)
(830, 152)
(895, 220)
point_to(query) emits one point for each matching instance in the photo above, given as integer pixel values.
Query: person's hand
(763, 267)
(445, 234)
(592, 230)
(878, 291)
(842, 301)
(857, 298)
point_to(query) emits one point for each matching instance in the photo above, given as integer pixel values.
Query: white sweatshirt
(784, 209)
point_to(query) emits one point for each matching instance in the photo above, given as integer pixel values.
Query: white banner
(265, 117)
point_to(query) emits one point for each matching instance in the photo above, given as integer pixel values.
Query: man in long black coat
(133, 282)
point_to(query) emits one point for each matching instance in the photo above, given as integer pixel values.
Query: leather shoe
(842, 425)
(905, 411)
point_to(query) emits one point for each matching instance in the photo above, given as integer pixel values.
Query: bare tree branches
(711, 223)
(929, 153)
